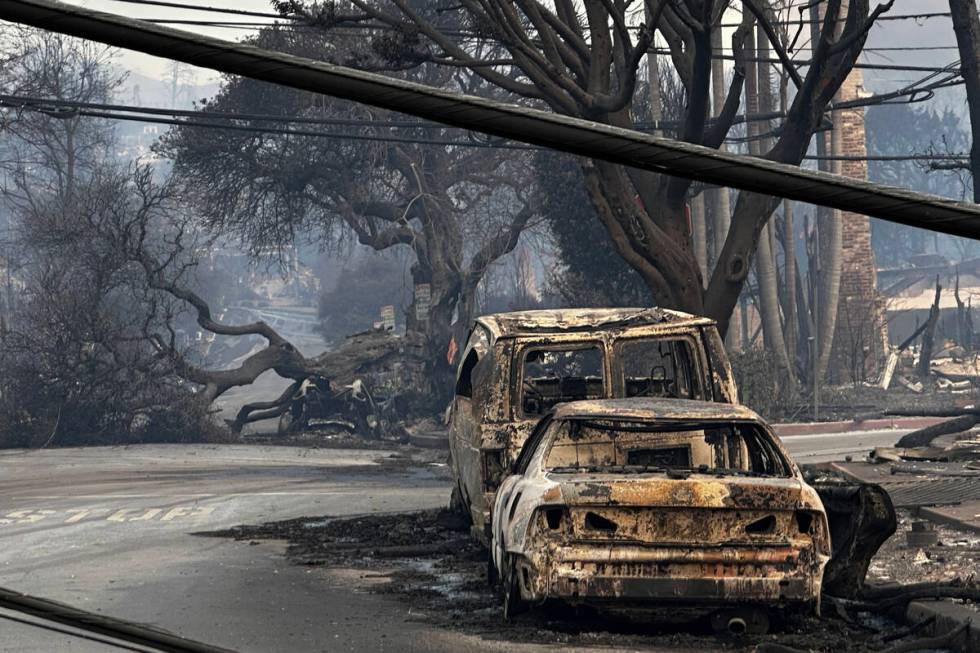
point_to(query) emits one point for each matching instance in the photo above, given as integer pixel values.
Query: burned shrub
(73, 371)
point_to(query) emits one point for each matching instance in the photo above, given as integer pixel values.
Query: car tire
(493, 576)
(514, 603)
(458, 505)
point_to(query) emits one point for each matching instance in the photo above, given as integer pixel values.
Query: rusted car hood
(700, 491)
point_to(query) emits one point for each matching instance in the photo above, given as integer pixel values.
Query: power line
(246, 24)
(211, 23)
(139, 634)
(883, 17)
(807, 62)
(215, 10)
(19, 101)
(282, 131)
(535, 126)
(389, 138)
(241, 12)
(72, 633)
(891, 157)
(913, 92)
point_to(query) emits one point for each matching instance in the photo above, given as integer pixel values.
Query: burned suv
(516, 366)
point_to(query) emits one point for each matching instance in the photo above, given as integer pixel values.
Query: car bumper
(776, 576)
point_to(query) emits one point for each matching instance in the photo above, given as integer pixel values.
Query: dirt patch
(428, 560)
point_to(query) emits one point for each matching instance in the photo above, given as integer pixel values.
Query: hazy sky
(887, 34)
(155, 67)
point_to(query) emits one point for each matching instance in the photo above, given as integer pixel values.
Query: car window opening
(464, 385)
(552, 376)
(633, 447)
(659, 368)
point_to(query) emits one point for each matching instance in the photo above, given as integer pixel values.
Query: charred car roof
(654, 409)
(503, 325)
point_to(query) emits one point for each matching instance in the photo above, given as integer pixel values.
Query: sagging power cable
(128, 631)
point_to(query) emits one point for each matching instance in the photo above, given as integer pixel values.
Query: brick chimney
(861, 331)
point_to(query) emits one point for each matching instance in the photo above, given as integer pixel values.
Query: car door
(465, 421)
(511, 491)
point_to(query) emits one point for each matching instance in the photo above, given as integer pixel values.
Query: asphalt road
(112, 530)
(825, 447)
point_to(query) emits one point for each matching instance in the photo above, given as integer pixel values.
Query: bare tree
(582, 59)
(77, 367)
(457, 208)
(48, 152)
(74, 367)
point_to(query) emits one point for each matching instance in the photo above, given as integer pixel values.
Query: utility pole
(966, 26)
(174, 83)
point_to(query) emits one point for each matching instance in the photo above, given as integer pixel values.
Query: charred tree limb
(923, 437)
(260, 410)
(931, 643)
(929, 335)
(879, 592)
(902, 599)
(912, 338)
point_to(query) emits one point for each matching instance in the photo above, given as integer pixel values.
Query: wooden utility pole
(966, 26)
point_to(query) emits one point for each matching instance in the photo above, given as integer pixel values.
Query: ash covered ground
(428, 560)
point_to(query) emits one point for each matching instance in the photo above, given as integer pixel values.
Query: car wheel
(514, 604)
(493, 577)
(458, 505)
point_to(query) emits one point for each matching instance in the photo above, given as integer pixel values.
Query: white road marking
(118, 516)
(148, 514)
(201, 495)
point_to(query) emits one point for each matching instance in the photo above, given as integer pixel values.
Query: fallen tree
(137, 219)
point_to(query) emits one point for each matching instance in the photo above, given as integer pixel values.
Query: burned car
(659, 502)
(516, 366)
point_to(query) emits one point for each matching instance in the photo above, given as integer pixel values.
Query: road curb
(810, 428)
(949, 615)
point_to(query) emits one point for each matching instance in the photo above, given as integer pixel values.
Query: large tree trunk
(964, 319)
(966, 26)
(699, 233)
(438, 280)
(758, 95)
(830, 242)
(718, 196)
(667, 263)
(789, 256)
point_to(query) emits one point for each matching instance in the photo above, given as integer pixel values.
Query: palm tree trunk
(830, 241)
(718, 199)
(758, 95)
